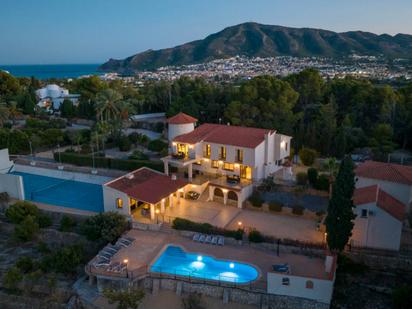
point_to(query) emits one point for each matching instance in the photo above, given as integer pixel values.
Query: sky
(92, 31)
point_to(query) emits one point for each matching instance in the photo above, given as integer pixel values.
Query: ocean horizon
(46, 71)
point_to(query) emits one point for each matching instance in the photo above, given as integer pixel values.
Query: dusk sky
(92, 31)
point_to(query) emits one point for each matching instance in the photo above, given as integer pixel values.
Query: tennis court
(62, 192)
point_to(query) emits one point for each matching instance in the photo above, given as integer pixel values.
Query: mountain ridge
(259, 40)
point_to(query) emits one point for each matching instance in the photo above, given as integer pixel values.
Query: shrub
(44, 220)
(12, 278)
(17, 212)
(25, 264)
(275, 206)
(401, 297)
(193, 301)
(67, 224)
(346, 265)
(64, 260)
(42, 247)
(130, 298)
(106, 227)
(255, 236)
(138, 155)
(301, 178)
(322, 183)
(256, 200)
(124, 143)
(307, 156)
(312, 176)
(4, 197)
(157, 145)
(298, 210)
(134, 137)
(26, 229)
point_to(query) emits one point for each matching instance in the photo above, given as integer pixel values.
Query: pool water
(61, 192)
(175, 261)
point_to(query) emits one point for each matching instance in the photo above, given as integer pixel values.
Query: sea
(46, 71)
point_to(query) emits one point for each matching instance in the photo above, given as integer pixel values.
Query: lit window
(309, 284)
(239, 155)
(119, 203)
(215, 164)
(207, 151)
(285, 281)
(228, 166)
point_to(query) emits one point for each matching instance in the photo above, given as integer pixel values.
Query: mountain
(257, 40)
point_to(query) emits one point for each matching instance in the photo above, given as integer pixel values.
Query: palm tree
(107, 105)
(4, 114)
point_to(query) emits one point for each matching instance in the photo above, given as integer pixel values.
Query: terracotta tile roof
(147, 185)
(385, 201)
(385, 171)
(225, 135)
(181, 118)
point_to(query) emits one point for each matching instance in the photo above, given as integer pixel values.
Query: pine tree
(339, 221)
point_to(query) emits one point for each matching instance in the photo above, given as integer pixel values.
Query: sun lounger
(221, 241)
(214, 240)
(202, 238)
(196, 237)
(113, 266)
(105, 255)
(208, 239)
(110, 249)
(131, 239)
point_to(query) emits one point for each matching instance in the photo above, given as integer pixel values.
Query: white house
(230, 158)
(379, 219)
(394, 179)
(52, 96)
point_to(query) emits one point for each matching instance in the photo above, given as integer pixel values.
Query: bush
(26, 229)
(322, 183)
(138, 155)
(275, 206)
(255, 236)
(130, 298)
(298, 210)
(157, 145)
(4, 197)
(307, 156)
(25, 264)
(17, 212)
(256, 200)
(346, 265)
(312, 176)
(107, 227)
(64, 260)
(67, 224)
(401, 297)
(134, 137)
(42, 247)
(12, 278)
(301, 178)
(44, 220)
(124, 143)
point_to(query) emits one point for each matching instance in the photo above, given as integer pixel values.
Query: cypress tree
(339, 221)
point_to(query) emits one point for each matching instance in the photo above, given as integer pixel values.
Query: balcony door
(245, 172)
(183, 148)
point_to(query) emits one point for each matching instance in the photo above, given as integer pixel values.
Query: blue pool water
(61, 192)
(175, 261)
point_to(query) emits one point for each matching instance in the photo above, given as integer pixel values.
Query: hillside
(257, 40)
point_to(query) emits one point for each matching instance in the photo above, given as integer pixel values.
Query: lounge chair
(113, 266)
(196, 237)
(208, 239)
(221, 241)
(110, 249)
(202, 238)
(131, 239)
(214, 240)
(105, 255)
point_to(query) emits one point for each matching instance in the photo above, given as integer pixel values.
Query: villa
(226, 159)
(52, 96)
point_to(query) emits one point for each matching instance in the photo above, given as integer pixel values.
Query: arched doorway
(232, 195)
(218, 192)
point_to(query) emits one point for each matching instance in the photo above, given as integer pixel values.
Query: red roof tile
(147, 185)
(385, 201)
(181, 118)
(385, 171)
(225, 135)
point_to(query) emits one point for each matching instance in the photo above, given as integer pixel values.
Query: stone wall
(381, 262)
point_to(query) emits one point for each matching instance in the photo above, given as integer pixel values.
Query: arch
(232, 195)
(218, 192)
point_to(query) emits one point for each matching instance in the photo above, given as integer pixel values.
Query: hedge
(102, 162)
(205, 228)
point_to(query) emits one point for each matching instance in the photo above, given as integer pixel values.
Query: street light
(125, 261)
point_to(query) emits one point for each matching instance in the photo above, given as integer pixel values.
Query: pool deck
(148, 245)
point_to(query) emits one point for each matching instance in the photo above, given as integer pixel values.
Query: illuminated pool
(175, 261)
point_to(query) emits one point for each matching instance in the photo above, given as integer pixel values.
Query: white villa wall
(281, 152)
(5, 163)
(110, 197)
(399, 191)
(379, 230)
(89, 178)
(322, 289)
(179, 129)
(13, 185)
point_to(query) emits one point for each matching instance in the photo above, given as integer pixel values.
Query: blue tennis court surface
(61, 192)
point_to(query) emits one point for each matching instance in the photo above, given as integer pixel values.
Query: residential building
(379, 219)
(228, 159)
(52, 96)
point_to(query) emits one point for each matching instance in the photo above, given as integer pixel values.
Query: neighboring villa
(52, 96)
(227, 159)
(382, 198)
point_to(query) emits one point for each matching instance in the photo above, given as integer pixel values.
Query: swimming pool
(175, 261)
(62, 192)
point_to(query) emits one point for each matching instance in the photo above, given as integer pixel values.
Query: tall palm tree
(107, 105)
(4, 114)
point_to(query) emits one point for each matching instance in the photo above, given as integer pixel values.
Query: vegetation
(307, 156)
(401, 297)
(339, 221)
(322, 183)
(298, 210)
(125, 299)
(275, 206)
(157, 145)
(27, 229)
(302, 178)
(205, 228)
(193, 301)
(104, 227)
(255, 236)
(312, 176)
(64, 260)
(67, 224)
(256, 200)
(17, 212)
(12, 278)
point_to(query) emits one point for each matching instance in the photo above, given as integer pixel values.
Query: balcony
(179, 156)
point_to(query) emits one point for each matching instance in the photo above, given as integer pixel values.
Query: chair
(202, 238)
(208, 239)
(105, 255)
(196, 237)
(214, 240)
(221, 241)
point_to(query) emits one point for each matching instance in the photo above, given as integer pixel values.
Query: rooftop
(226, 135)
(181, 118)
(385, 201)
(385, 171)
(147, 185)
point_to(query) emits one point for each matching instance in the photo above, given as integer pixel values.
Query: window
(364, 213)
(215, 164)
(222, 153)
(228, 166)
(182, 148)
(286, 146)
(285, 281)
(207, 151)
(239, 155)
(309, 284)
(119, 203)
